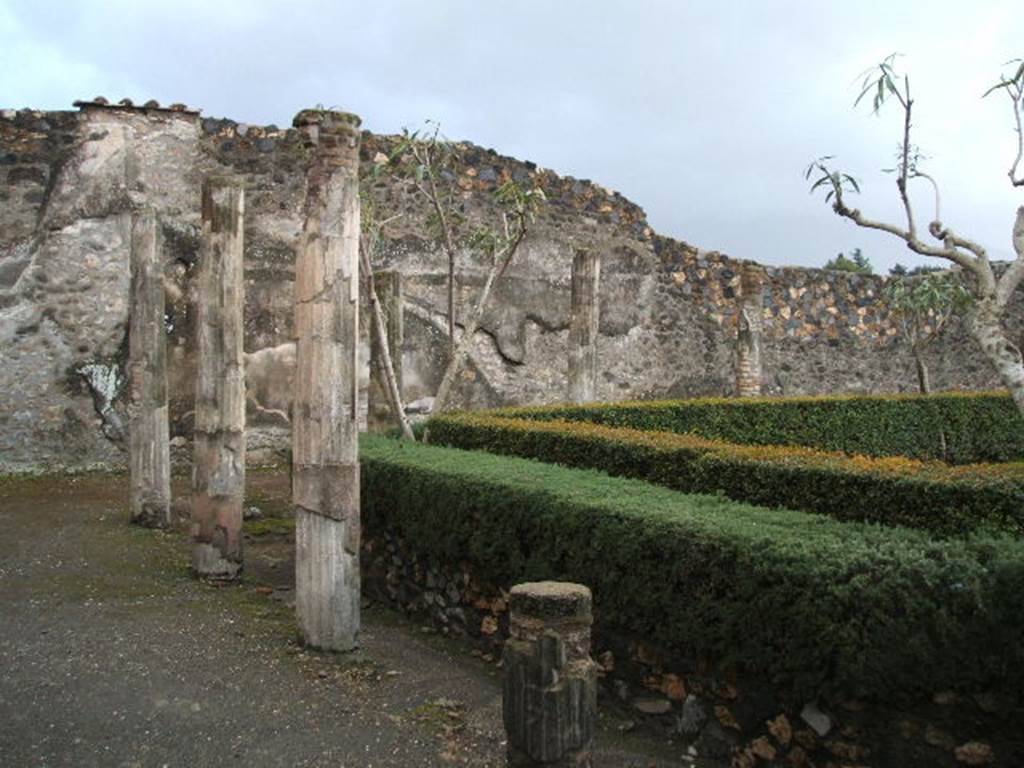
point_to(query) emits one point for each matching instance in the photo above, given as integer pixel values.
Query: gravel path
(112, 655)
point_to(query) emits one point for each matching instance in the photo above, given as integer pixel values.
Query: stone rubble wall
(68, 181)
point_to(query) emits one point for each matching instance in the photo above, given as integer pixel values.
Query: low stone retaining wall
(728, 718)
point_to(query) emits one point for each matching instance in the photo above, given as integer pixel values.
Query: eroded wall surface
(68, 181)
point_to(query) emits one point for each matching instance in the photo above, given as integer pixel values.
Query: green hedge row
(934, 496)
(961, 428)
(814, 605)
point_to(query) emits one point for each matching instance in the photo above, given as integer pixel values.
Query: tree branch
(1012, 277)
(508, 251)
(901, 181)
(949, 252)
(951, 240)
(502, 258)
(1016, 98)
(447, 240)
(435, 201)
(387, 368)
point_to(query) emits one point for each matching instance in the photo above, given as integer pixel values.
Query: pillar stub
(549, 701)
(557, 601)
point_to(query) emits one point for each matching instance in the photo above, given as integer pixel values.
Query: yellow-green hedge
(931, 495)
(960, 427)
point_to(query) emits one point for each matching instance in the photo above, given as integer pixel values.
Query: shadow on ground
(113, 655)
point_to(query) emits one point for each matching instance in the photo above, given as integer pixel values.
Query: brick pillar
(325, 427)
(389, 292)
(148, 439)
(550, 691)
(584, 316)
(218, 470)
(748, 341)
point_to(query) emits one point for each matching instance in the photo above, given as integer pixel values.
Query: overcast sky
(703, 112)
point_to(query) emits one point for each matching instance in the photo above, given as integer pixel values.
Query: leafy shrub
(815, 605)
(935, 496)
(962, 428)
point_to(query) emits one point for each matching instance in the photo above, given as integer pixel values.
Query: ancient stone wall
(69, 183)
(669, 312)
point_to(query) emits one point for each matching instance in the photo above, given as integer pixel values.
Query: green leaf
(821, 182)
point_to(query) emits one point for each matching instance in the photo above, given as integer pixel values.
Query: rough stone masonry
(669, 312)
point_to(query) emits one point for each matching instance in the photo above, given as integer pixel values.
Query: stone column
(550, 692)
(325, 428)
(389, 292)
(584, 316)
(218, 470)
(148, 440)
(748, 342)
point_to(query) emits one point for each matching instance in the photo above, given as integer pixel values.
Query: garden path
(112, 655)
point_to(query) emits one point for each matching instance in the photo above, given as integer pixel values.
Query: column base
(326, 583)
(208, 563)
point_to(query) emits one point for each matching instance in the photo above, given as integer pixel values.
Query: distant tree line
(859, 264)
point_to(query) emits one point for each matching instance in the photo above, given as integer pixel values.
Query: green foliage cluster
(857, 263)
(977, 426)
(948, 501)
(811, 604)
(900, 270)
(926, 304)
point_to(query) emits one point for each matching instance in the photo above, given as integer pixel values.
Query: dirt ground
(113, 655)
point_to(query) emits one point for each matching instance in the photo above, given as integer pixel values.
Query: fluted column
(584, 317)
(325, 449)
(748, 339)
(218, 470)
(148, 440)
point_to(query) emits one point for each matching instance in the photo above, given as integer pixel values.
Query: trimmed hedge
(976, 426)
(934, 496)
(816, 606)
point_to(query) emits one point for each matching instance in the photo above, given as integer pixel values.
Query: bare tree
(990, 292)
(369, 240)
(924, 306)
(429, 162)
(499, 246)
